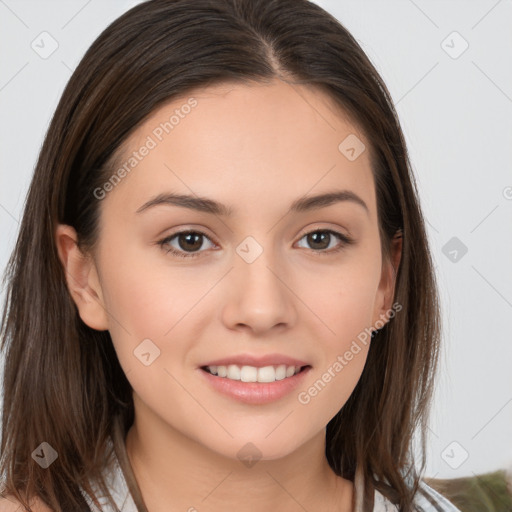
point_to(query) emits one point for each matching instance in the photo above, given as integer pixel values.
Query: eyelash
(345, 241)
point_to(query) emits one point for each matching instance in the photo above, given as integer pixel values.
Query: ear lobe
(81, 278)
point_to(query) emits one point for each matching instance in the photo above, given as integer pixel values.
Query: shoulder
(11, 504)
(425, 500)
(428, 499)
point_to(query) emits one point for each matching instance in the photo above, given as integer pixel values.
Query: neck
(173, 470)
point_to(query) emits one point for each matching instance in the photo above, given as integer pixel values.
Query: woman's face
(259, 278)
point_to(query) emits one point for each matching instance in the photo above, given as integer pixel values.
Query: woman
(222, 293)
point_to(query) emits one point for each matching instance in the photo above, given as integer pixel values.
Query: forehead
(257, 140)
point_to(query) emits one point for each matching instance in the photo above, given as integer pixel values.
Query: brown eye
(321, 240)
(188, 243)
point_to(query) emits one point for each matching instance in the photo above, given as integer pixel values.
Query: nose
(259, 297)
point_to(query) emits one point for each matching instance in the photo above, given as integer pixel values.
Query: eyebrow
(206, 205)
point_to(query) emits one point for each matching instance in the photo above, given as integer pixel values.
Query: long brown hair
(62, 382)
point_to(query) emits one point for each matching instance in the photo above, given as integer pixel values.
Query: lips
(255, 393)
(257, 361)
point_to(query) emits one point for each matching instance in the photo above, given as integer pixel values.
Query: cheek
(331, 386)
(166, 304)
(343, 299)
(350, 313)
(148, 299)
(344, 354)
(344, 302)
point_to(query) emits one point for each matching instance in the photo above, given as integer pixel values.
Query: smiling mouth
(246, 373)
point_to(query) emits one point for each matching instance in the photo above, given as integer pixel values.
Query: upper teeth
(253, 374)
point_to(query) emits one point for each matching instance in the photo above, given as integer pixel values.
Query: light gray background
(456, 112)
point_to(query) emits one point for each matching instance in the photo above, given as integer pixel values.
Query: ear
(82, 279)
(386, 290)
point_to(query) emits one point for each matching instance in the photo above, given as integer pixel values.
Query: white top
(118, 488)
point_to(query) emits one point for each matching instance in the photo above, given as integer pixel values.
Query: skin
(256, 149)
